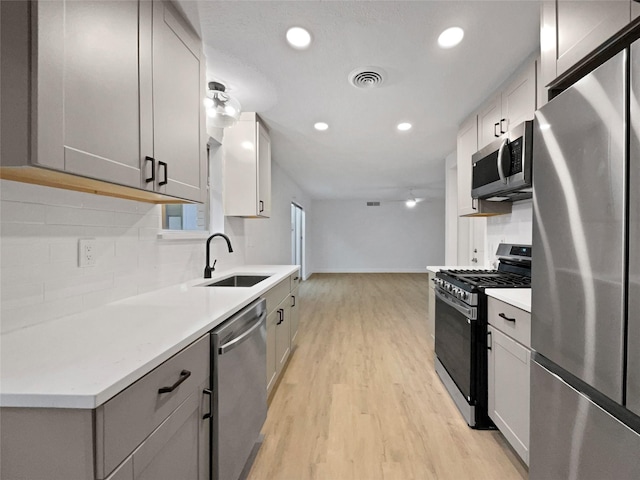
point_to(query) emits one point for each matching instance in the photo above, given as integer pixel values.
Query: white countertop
(83, 360)
(518, 297)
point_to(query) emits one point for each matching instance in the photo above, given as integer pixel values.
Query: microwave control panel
(516, 155)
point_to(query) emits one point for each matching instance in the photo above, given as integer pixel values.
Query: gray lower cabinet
(283, 319)
(295, 315)
(508, 363)
(154, 429)
(126, 77)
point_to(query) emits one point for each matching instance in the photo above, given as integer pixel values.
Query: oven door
(455, 337)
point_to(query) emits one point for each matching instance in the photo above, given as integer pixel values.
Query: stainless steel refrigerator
(585, 378)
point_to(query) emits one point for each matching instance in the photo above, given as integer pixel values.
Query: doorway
(297, 237)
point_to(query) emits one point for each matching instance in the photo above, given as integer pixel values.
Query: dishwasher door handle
(238, 340)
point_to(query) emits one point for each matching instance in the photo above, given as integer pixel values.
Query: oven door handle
(504, 157)
(466, 311)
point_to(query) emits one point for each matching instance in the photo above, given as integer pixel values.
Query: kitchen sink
(238, 281)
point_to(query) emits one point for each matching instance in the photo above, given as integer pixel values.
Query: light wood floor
(360, 398)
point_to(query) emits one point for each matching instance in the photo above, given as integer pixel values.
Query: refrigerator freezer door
(573, 438)
(633, 365)
(578, 264)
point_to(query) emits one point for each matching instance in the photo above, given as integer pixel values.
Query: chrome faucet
(208, 269)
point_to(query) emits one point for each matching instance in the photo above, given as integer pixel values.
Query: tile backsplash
(517, 227)
(39, 231)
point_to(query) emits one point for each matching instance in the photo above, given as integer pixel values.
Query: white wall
(516, 227)
(348, 236)
(451, 210)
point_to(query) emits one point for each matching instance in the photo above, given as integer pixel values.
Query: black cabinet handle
(474, 203)
(153, 169)
(293, 300)
(502, 130)
(495, 126)
(166, 173)
(261, 206)
(489, 341)
(281, 316)
(296, 278)
(208, 392)
(184, 374)
(502, 315)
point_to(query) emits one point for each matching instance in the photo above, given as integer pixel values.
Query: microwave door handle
(504, 147)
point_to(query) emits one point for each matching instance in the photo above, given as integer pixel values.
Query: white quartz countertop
(83, 360)
(518, 297)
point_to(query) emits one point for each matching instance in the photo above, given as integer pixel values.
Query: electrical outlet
(86, 252)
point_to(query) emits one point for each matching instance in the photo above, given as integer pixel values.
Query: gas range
(514, 271)
(461, 327)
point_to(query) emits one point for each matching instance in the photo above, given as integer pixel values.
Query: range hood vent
(373, 204)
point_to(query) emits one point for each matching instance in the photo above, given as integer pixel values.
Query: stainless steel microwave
(502, 170)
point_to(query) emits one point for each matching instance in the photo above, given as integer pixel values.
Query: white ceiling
(362, 155)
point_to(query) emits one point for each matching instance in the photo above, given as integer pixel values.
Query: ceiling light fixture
(298, 38)
(403, 127)
(411, 201)
(321, 126)
(451, 37)
(222, 108)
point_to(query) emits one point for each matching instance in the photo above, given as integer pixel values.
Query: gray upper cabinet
(178, 72)
(87, 89)
(513, 104)
(571, 30)
(635, 9)
(93, 89)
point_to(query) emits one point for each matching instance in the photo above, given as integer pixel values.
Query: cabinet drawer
(295, 280)
(517, 327)
(127, 419)
(277, 294)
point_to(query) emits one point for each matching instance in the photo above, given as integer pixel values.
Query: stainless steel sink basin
(238, 281)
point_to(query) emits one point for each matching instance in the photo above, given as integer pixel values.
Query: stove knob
(460, 293)
(465, 296)
(450, 288)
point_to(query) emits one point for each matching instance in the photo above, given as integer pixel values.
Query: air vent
(367, 77)
(373, 204)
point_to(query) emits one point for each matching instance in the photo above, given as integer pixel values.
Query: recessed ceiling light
(411, 203)
(298, 38)
(404, 126)
(450, 37)
(321, 126)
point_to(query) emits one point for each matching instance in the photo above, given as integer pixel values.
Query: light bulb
(451, 37)
(321, 126)
(403, 127)
(298, 38)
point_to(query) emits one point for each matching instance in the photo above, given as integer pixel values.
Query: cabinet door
(264, 172)
(283, 334)
(87, 89)
(582, 26)
(519, 98)
(508, 363)
(467, 145)
(178, 111)
(635, 9)
(178, 448)
(295, 314)
(489, 125)
(272, 371)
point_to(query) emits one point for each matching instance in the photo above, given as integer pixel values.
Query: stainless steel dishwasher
(239, 353)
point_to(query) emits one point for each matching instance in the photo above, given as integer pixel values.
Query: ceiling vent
(367, 77)
(373, 204)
